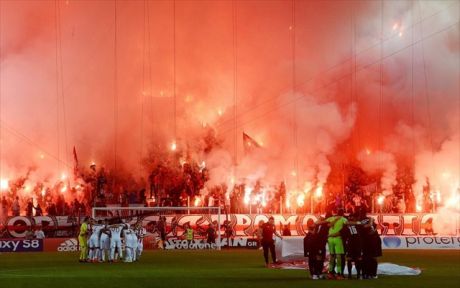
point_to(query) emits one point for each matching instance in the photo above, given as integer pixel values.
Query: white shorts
(131, 242)
(93, 242)
(115, 243)
(104, 242)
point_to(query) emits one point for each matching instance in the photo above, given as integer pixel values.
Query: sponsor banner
(239, 225)
(291, 248)
(200, 244)
(53, 226)
(61, 245)
(420, 242)
(19, 245)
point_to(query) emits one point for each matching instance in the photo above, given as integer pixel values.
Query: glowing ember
(173, 146)
(219, 112)
(247, 195)
(4, 185)
(197, 201)
(294, 173)
(319, 192)
(264, 202)
(43, 192)
(63, 177)
(438, 196)
(453, 201)
(64, 189)
(300, 200)
(42, 156)
(380, 199)
(307, 187)
(445, 175)
(418, 207)
(368, 151)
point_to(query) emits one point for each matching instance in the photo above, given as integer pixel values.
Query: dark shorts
(354, 249)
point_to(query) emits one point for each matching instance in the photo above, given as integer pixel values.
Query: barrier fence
(244, 225)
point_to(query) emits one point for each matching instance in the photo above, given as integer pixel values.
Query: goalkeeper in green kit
(335, 244)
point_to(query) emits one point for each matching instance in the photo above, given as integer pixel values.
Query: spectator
(161, 228)
(4, 207)
(286, 230)
(401, 206)
(15, 207)
(51, 209)
(228, 229)
(39, 234)
(38, 210)
(132, 198)
(29, 234)
(142, 197)
(211, 234)
(29, 208)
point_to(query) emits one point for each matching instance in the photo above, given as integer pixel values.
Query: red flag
(249, 143)
(75, 158)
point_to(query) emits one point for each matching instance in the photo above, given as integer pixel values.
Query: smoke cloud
(65, 83)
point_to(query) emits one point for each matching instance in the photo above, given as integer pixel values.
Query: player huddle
(353, 239)
(103, 240)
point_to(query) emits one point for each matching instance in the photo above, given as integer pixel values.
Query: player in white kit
(131, 245)
(94, 241)
(141, 232)
(104, 243)
(115, 241)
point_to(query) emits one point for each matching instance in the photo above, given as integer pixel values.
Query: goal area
(174, 222)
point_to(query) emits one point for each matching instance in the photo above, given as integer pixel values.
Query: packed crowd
(185, 184)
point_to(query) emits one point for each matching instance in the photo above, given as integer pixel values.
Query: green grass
(230, 268)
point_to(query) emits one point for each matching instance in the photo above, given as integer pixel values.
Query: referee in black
(268, 243)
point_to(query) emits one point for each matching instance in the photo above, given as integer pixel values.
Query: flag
(370, 189)
(249, 143)
(75, 159)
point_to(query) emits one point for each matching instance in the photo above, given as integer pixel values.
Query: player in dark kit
(321, 232)
(352, 235)
(268, 243)
(310, 249)
(211, 234)
(372, 246)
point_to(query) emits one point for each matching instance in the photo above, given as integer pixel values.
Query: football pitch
(227, 268)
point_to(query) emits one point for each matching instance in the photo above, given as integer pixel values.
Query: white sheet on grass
(393, 269)
(290, 249)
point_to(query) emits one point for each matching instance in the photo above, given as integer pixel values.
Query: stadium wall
(244, 225)
(288, 246)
